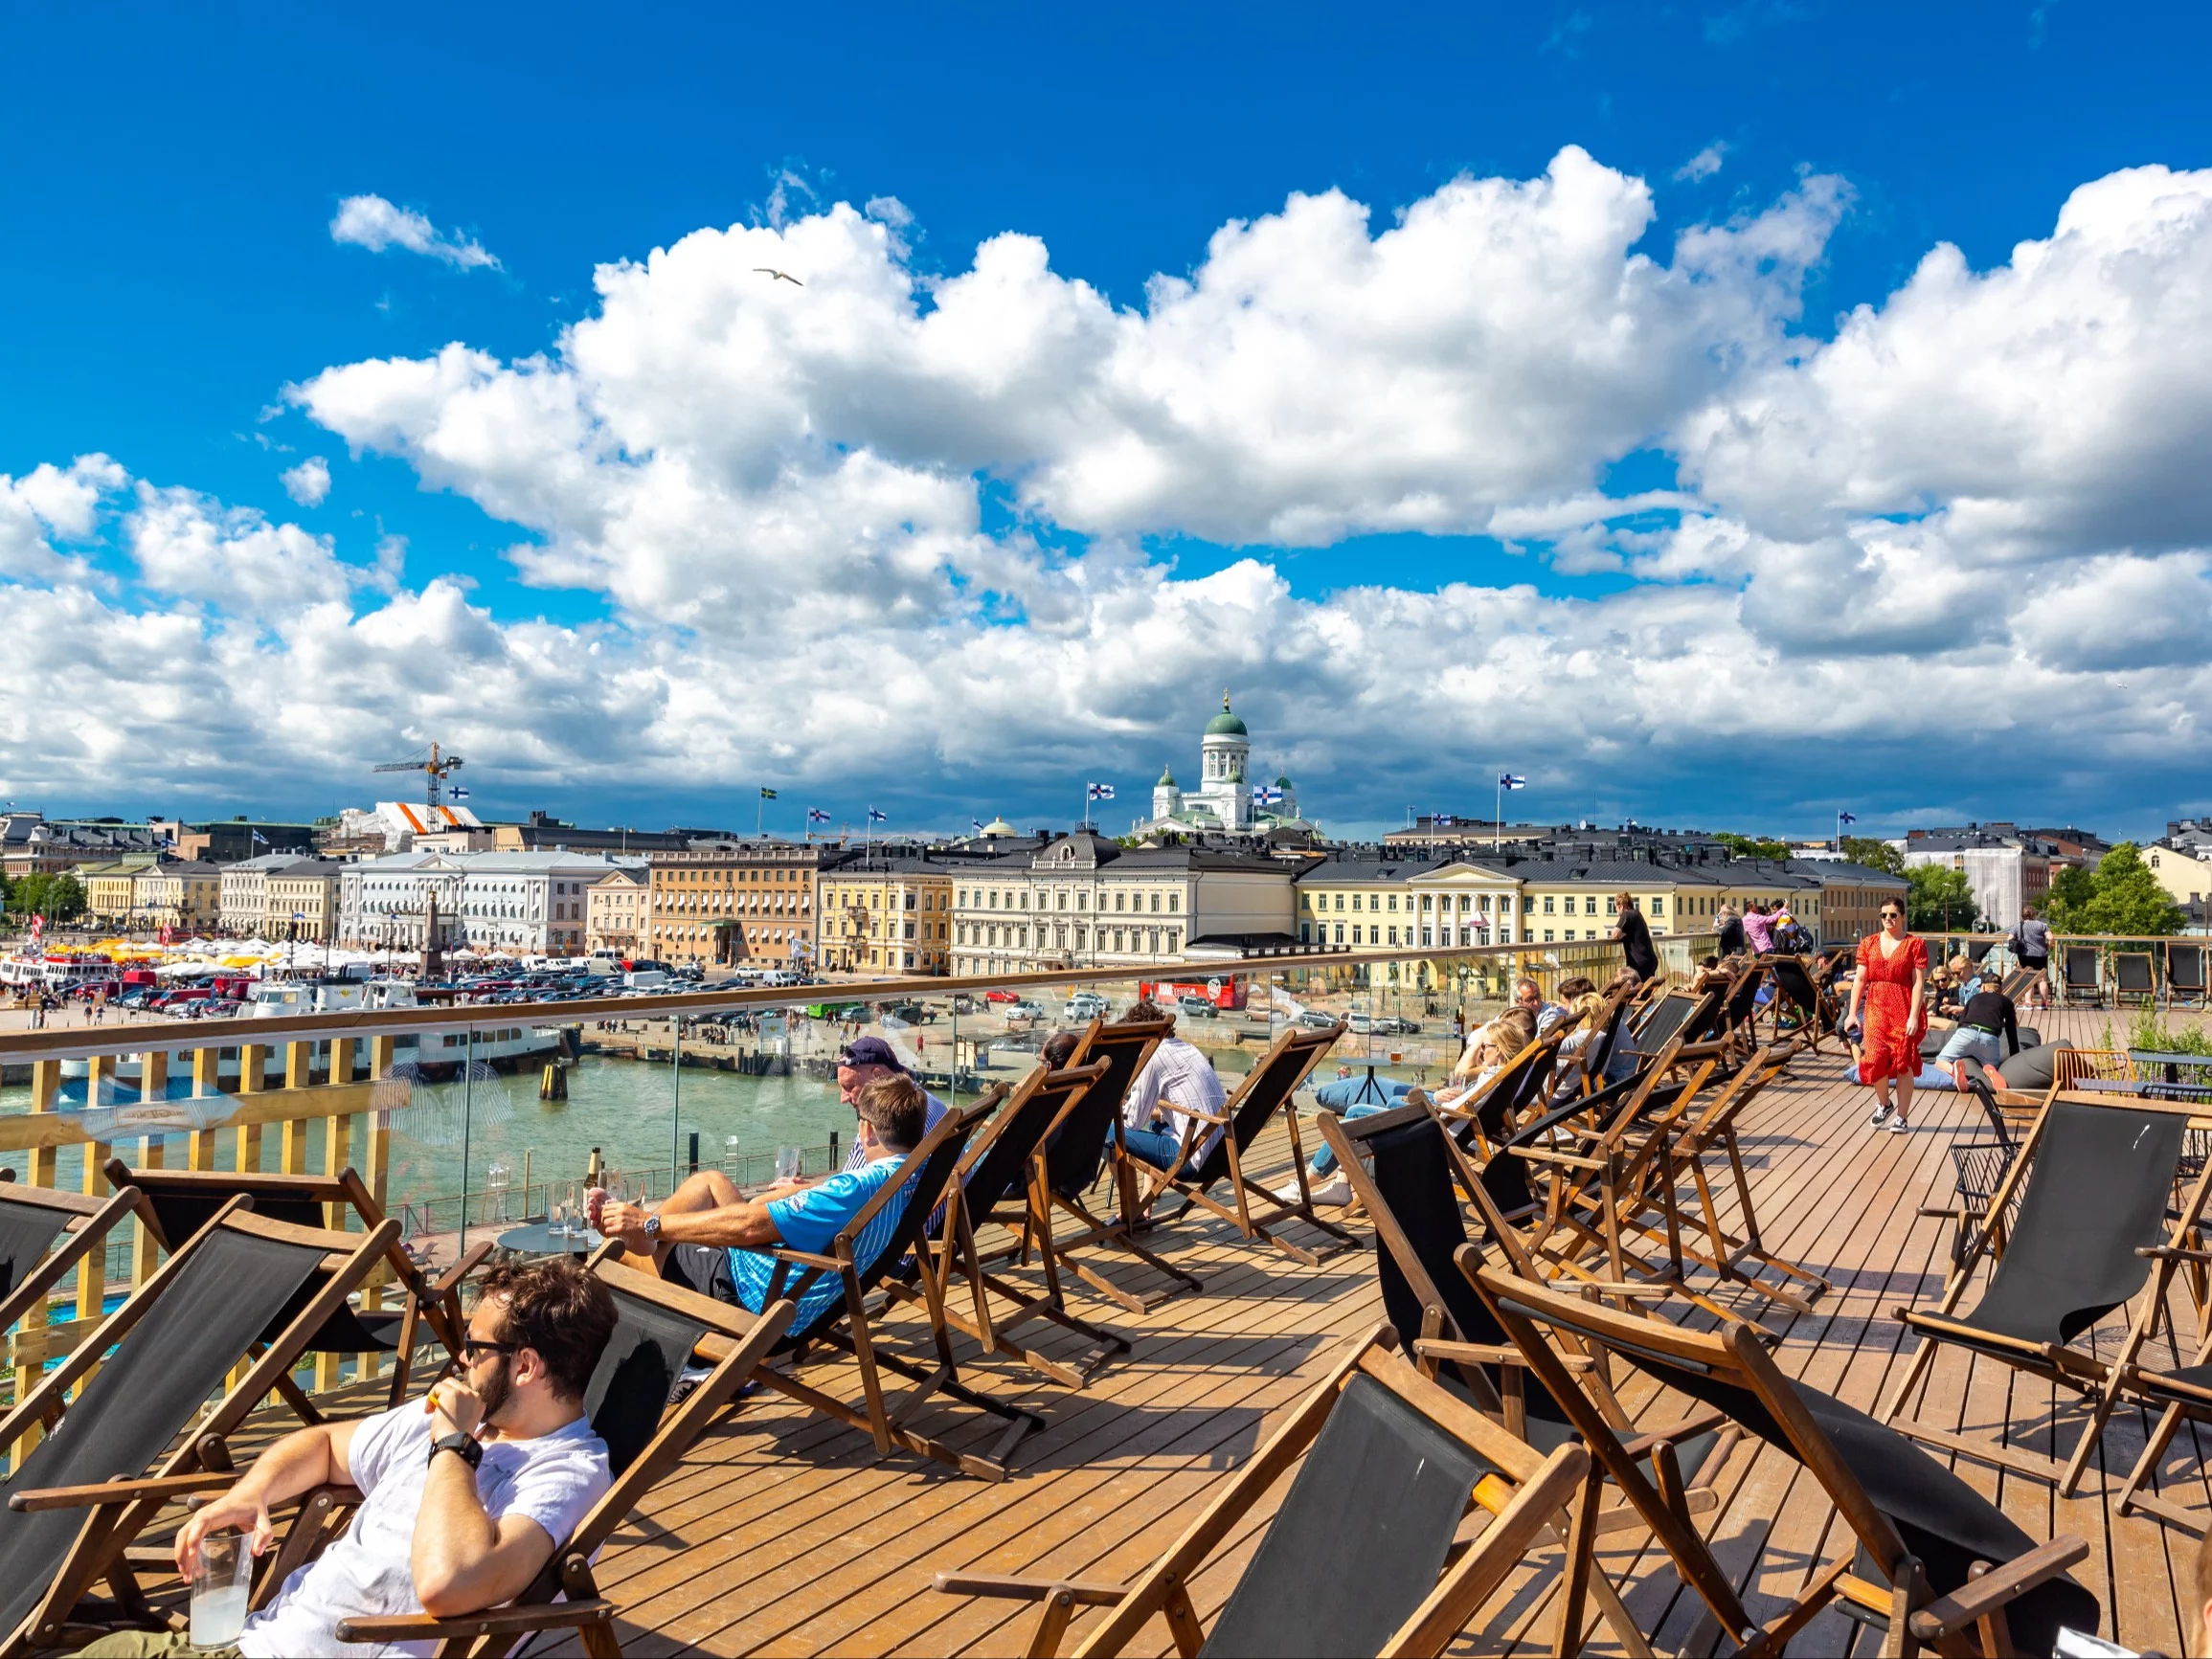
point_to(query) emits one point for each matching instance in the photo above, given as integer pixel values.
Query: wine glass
(786, 1163)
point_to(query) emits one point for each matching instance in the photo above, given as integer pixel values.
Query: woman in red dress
(1892, 986)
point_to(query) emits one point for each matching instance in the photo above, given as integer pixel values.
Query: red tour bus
(1225, 993)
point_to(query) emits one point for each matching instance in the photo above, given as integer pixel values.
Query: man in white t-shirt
(465, 1493)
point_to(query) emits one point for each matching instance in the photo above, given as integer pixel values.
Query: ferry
(432, 1057)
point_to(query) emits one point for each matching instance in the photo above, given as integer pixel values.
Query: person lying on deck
(466, 1493)
(709, 1237)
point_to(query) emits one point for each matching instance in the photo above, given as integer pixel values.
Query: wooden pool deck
(784, 1534)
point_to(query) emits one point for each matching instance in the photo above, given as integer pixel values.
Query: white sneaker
(1881, 1116)
(1337, 1191)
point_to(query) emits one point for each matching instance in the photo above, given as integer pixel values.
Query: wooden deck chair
(1000, 1180)
(183, 1200)
(1089, 1142)
(2082, 982)
(1485, 1118)
(1915, 1532)
(1710, 1132)
(1739, 1010)
(1673, 1014)
(659, 1327)
(1213, 1149)
(1796, 990)
(831, 1289)
(243, 1287)
(2134, 977)
(1404, 1167)
(45, 1233)
(2185, 972)
(1362, 1555)
(2092, 1234)
(1508, 1171)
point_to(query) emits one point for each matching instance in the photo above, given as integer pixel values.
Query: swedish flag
(767, 795)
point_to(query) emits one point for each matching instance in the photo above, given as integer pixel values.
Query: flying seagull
(780, 275)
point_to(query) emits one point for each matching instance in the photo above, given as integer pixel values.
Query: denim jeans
(1971, 1043)
(1351, 1098)
(1157, 1147)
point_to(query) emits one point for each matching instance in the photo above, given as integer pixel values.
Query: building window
(1547, 909)
(1548, 930)
(1174, 940)
(1658, 905)
(1156, 903)
(1428, 936)
(1340, 932)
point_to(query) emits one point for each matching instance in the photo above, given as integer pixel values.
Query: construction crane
(434, 771)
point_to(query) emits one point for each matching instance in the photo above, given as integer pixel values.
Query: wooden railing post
(253, 1079)
(38, 1170)
(152, 1086)
(376, 1148)
(207, 1079)
(91, 1271)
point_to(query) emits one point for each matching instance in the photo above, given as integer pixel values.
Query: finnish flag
(1101, 792)
(1506, 781)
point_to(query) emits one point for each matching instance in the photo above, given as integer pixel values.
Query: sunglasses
(1891, 915)
(472, 1349)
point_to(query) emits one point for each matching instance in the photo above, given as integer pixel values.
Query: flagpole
(1497, 823)
(759, 816)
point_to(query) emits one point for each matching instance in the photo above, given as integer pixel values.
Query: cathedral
(1226, 800)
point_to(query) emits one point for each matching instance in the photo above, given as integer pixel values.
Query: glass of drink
(786, 1163)
(221, 1580)
(560, 1221)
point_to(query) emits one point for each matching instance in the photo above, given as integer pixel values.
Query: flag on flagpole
(260, 840)
(1101, 792)
(815, 815)
(767, 795)
(976, 824)
(1442, 819)
(874, 817)
(1846, 818)
(457, 793)
(1266, 795)
(1506, 781)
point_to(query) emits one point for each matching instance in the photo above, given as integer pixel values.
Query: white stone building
(260, 897)
(511, 904)
(1225, 802)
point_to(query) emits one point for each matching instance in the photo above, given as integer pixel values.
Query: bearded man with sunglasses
(466, 1493)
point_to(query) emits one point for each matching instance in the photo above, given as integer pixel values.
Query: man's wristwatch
(466, 1447)
(652, 1229)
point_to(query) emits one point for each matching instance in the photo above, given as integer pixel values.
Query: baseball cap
(870, 1051)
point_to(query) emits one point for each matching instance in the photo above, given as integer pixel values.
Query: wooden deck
(787, 1536)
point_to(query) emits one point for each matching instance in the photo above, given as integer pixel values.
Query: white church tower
(1225, 753)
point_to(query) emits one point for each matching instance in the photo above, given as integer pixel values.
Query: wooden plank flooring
(784, 1534)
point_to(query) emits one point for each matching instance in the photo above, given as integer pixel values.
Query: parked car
(1001, 997)
(912, 1013)
(1197, 1007)
(1086, 1005)
(1313, 1019)
(1021, 1008)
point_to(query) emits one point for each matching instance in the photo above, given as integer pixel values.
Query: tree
(1745, 847)
(58, 898)
(2072, 888)
(1875, 855)
(2124, 898)
(1941, 900)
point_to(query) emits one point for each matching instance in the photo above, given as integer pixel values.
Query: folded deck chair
(999, 1180)
(830, 1291)
(183, 1200)
(1214, 1146)
(2092, 1234)
(2134, 977)
(1404, 1167)
(45, 1233)
(1914, 1531)
(1362, 1555)
(2081, 982)
(1089, 1142)
(242, 1287)
(659, 1327)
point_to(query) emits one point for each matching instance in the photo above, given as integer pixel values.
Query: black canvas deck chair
(45, 1233)
(2093, 1234)
(1087, 1143)
(1214, 1146)
(1363, 1555)
(183, 1201)
(1485, 1118)
(1978, 1170)
(2134, 977)
(1001, 1180)
(2082, 982)
(864, 1259)
(1510, 1173)
(243, 1289)
(1406, 1169)
(1914, 1534)
(1803, 1007)
(2185, 972)
(1739, 1012)
(659, 1329)
(1686, 1014)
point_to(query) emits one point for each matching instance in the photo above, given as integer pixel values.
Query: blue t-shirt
(809, 1221)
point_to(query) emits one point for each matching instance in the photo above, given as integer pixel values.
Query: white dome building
(1224, 800)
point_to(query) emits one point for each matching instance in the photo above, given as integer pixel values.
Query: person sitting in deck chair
(860, 1064)
(1176, 1075)
(465, 1493)
(709, 1237)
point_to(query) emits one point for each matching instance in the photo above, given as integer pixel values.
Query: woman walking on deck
(1892, 986)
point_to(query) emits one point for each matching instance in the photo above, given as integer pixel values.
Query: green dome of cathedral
(1224, 723)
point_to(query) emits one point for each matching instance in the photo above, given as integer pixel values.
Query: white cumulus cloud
(374, 223)
(309, 482)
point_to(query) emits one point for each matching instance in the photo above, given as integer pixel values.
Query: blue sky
(171, 273)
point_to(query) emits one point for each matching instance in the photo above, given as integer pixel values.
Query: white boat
(433, 1057)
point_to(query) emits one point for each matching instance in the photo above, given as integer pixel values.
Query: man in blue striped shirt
(709, 1238)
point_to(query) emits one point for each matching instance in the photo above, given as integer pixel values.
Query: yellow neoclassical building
(886, 915)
